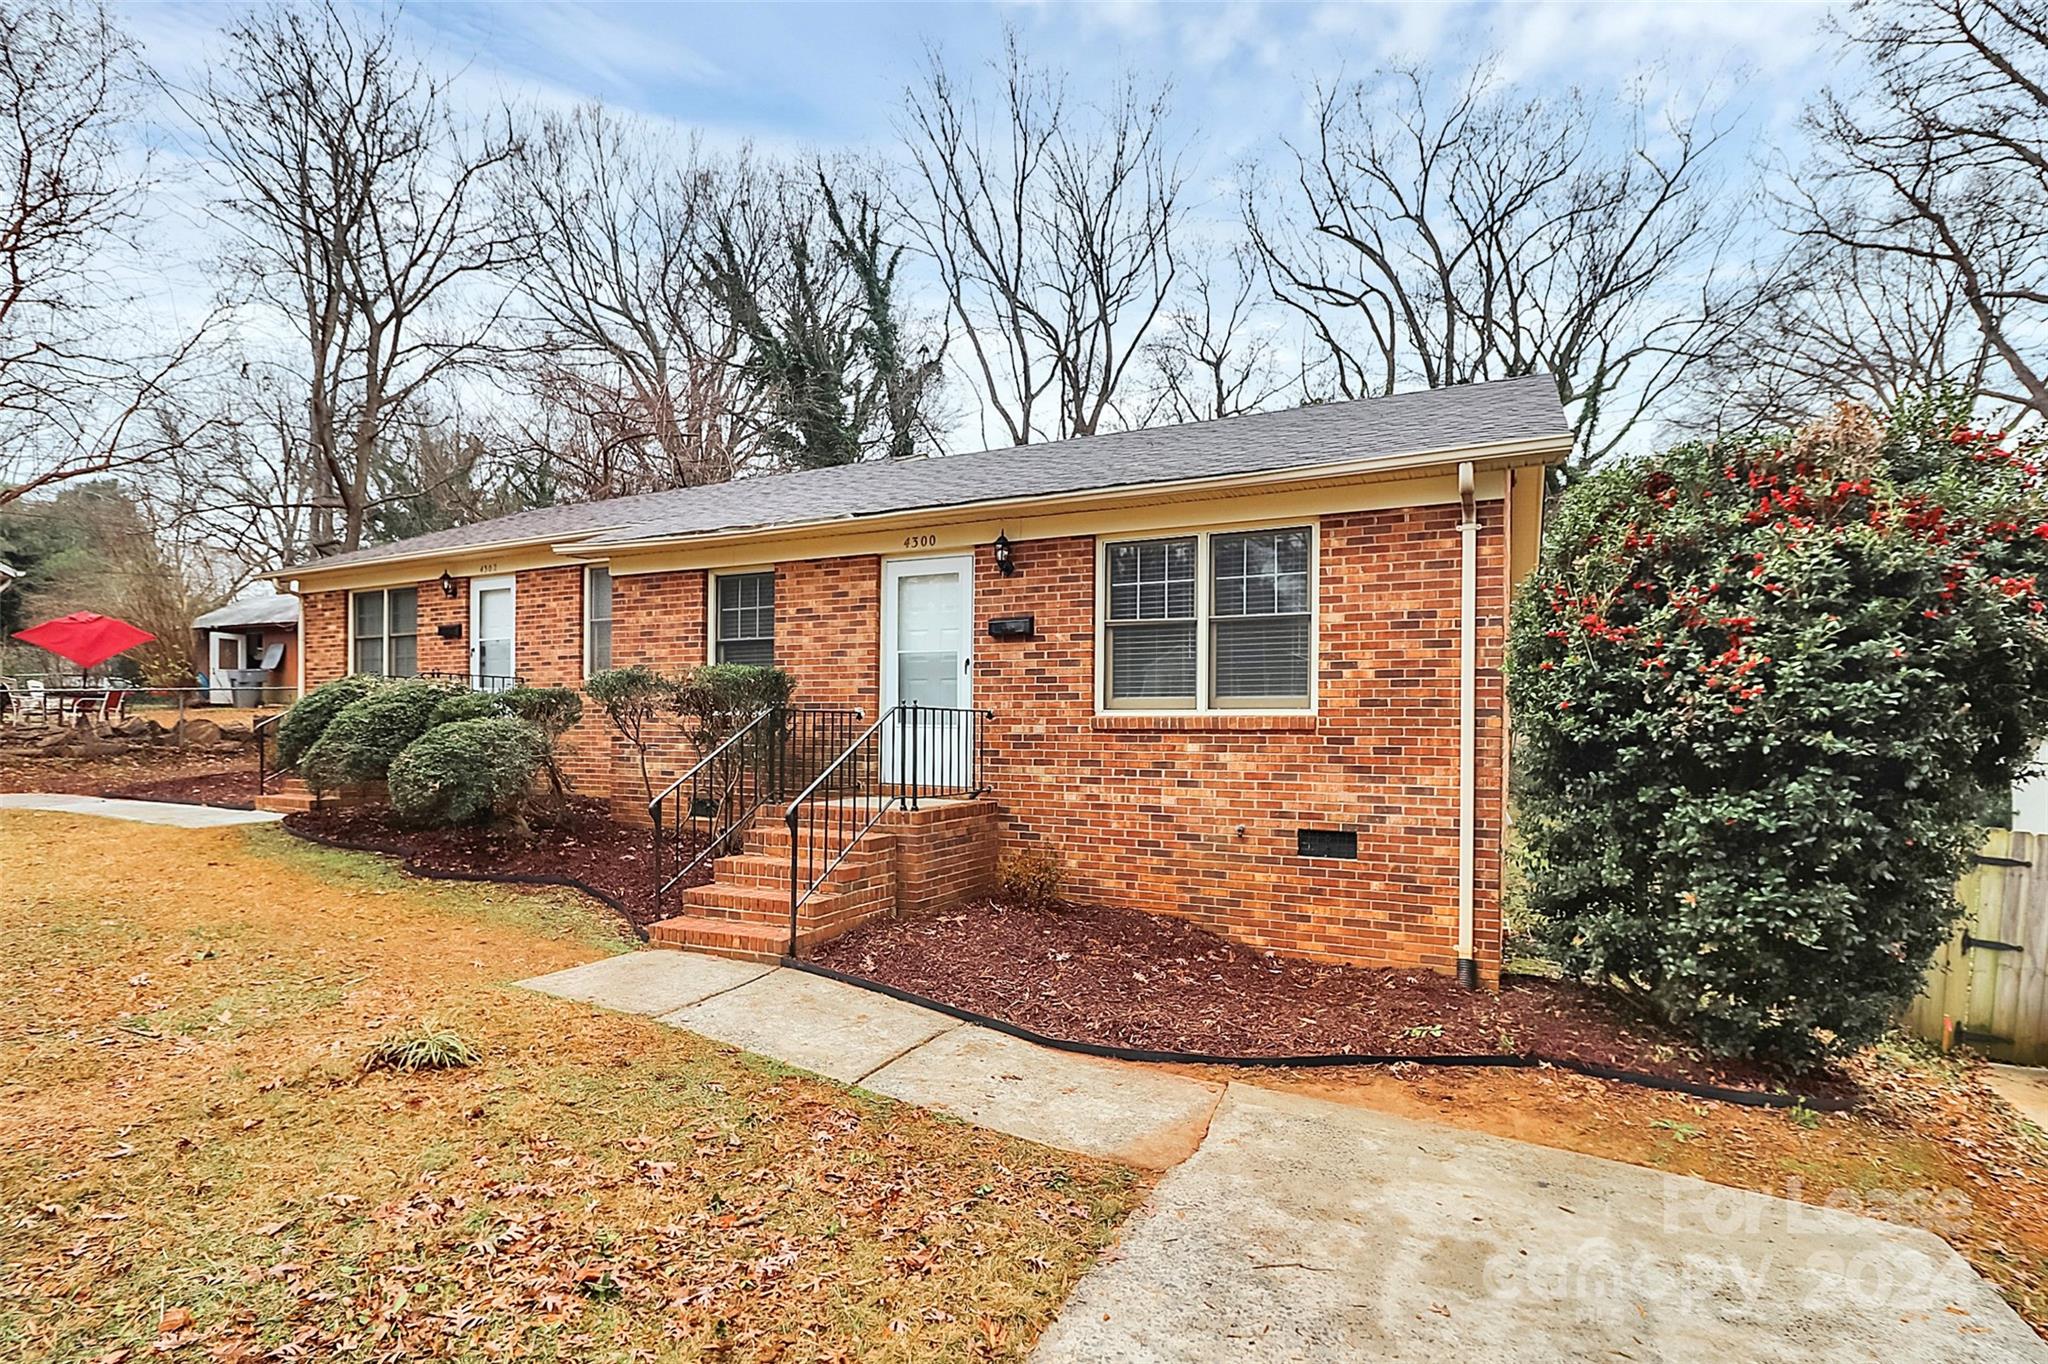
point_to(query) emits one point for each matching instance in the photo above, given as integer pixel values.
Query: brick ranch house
(1244, 671)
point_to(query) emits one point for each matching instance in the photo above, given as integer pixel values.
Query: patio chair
(55, 707)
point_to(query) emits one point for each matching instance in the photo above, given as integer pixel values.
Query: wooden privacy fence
(1988, 986)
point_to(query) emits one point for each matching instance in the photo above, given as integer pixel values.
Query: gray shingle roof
(1388, 428)
(279, 609)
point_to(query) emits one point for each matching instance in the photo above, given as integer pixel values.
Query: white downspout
(1468, 702)
(299, 644)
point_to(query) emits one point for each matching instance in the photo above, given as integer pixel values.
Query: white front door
(223, 652)
(493, 616)
(928, 660)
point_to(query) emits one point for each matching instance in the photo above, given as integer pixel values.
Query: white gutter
(1468, 700)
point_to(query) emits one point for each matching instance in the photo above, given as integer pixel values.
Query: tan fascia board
(461, 561)
(543, 552)
(1501, 455)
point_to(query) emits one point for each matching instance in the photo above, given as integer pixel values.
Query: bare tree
(636, 370)
(1448, 236)
(1844, 322)
(1051, 226)
(360, 200)
(73, 403)
(1216, 353)
(1940, 159)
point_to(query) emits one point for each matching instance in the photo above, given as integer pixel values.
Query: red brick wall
(1197, 815)
(945, 854)
(323, 628)
(828, 630)
(438, 655)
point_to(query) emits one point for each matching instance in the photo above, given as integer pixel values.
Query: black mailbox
(1010, 627)
(450, 631)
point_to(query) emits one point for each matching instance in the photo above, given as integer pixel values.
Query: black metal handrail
(258, 732)
(476, 681)
(910, 753)
(708, 809)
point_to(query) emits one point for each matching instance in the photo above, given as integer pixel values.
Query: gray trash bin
(245, 685)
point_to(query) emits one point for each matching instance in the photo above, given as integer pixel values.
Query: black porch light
(447, 584)
(1006, 562)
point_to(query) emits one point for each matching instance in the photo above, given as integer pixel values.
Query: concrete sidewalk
(1132, 1114)
(1292, 1229)
(135, 811)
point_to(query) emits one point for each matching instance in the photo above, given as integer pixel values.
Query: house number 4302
(920, 541)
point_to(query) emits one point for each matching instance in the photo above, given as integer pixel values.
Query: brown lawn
(192, 1158)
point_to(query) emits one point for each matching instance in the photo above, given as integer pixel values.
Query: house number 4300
(920, 541)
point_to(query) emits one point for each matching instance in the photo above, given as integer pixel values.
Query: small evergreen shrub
(1030, 877)
(554, 711)
(632, 699)
(468, 772)
(466, 705)
(1763, 689)
(716, 700)
(364, 737)
(310, 715)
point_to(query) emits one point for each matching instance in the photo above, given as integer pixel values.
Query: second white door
(927, 659)
(493, 643)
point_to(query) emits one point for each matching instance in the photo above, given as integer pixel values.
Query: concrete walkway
(1101, 1108)
(136, 811)
(1292, 1229)
(2025, 1088)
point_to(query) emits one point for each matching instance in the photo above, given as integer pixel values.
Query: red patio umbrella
(85, 637)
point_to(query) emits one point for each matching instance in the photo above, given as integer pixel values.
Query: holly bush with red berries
(1764, 691)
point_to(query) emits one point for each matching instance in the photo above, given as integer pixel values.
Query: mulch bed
(1118, 977)
(235, 790)
(583, 845)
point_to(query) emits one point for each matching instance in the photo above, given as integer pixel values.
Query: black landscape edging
(1751, 1098)
(412, 868)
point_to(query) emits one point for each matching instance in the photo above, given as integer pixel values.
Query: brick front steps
(288, 795)
(910, 862)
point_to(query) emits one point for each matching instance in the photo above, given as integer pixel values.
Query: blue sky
(831, 75)
(798, 78)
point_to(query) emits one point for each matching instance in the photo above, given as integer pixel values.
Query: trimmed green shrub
(468, 772)
(716, 700)
(1762, 690)
(633, 699)
(310, 715)
(364, 737)
(554, 711)
(466, 705)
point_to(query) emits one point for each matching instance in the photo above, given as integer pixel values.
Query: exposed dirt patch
(1124, 978)
(194, 1163)
(234, 789)
(116, 773)
(582, 844)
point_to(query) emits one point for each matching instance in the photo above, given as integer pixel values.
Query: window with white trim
(597, 619)
(1214, 621)
(744, 624)
(385, 632)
